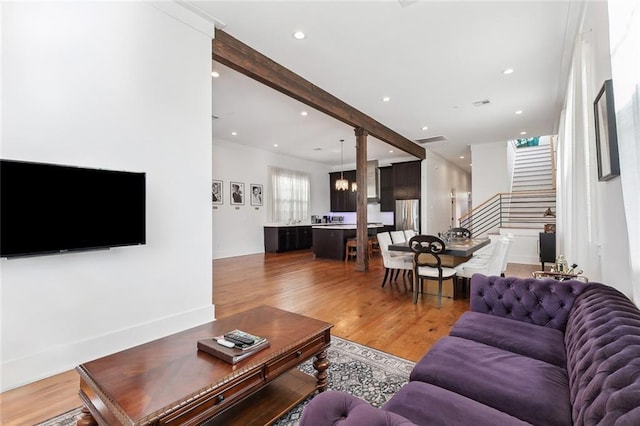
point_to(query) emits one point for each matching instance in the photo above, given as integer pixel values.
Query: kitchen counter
(329, 239)
(284, 225)
(343, 226)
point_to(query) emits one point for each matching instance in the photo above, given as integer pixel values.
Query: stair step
(532, 176)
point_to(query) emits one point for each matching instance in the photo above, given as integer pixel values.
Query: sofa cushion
(529, 389)
(340, 408)
(603, 358)
(425, 404)
(543, 343)
(541, 302)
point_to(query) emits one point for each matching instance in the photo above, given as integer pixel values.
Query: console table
(169, 382)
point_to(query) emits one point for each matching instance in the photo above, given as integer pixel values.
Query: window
(290, 195)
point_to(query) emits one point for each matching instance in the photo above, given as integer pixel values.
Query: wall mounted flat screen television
(49, 208)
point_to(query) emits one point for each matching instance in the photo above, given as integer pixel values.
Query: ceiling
(434, 60)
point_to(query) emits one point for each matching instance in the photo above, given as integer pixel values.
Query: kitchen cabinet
(342, 201)
(387, 201)
(286, 238)
(406, 180)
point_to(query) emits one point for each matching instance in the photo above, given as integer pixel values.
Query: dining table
(457, 250)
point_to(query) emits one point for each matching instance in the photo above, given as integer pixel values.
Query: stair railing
(523, 209)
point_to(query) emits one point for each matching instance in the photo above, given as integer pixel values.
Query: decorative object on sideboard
(606, 133)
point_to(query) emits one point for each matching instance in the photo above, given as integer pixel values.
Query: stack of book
(233, 346)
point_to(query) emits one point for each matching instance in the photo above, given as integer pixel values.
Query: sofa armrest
(339, 408)
(545, 302)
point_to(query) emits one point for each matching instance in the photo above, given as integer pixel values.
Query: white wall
(238, 230)
(116, 85)
(489, 173)
(439, 177)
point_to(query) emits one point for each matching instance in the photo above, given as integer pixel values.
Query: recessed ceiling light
(518, 112)
(507, 71)
(275, 144)
(390, 151)
(470, 164)
(234, 133)
(425, 128)
(386, 99)
(299, 35)
(462, 157)
(523, 133)
(304, 113)
(215, 74)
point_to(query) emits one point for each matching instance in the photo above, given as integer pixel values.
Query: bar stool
(350, 249)
(374, 246)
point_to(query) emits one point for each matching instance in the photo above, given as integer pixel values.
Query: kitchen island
(329, 239)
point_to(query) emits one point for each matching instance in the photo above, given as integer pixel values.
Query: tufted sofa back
(542, 302)
(602, 341)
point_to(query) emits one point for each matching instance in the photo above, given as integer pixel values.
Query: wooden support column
(362, 232)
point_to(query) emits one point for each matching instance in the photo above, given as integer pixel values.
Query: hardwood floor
(383, 318)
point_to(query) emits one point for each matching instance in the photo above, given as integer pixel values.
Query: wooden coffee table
(169, 382)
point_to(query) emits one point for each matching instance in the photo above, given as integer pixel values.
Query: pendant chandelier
(342, 184)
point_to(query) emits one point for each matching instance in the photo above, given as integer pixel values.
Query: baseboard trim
(67, 356)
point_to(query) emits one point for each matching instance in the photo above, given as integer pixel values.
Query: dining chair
(428, 265)
(397, 237)
(408, 233)
(392, 263)
(493, 265)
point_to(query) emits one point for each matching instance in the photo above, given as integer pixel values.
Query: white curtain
(577, 237)
(289, 196)
(624, 39)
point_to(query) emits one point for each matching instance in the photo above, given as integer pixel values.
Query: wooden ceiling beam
(236, 55)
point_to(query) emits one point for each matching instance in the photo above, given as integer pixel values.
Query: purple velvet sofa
(529, 351)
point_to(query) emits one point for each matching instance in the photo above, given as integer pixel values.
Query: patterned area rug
(370, 374)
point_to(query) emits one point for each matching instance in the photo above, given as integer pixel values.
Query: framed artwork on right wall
(606, 133)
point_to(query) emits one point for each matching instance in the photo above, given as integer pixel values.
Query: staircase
(531, 198)
(533, 169)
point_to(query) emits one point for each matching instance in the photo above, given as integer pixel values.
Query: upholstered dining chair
(393, 264)
(495, 264)
(397, 237)
(428, 265)
(408, 233)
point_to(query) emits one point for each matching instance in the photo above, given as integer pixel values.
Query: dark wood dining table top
(464, 247)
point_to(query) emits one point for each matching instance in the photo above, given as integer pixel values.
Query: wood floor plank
(329, 290)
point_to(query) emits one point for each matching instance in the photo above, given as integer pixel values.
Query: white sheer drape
(289, 193)
(624, 39)
(577, 237)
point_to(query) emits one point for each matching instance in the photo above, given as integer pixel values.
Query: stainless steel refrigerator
(407, 215)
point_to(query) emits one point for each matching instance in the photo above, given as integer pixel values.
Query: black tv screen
(49, 208)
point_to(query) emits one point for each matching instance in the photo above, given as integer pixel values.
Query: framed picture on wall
(256, 194)
(237, 193)
(606, 133)
(216, 192)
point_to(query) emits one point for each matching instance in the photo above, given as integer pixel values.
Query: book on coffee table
(236, 353)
